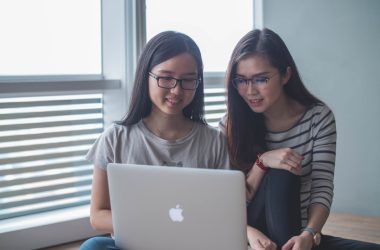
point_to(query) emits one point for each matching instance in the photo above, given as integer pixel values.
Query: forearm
(254, 180)
(101, 220)
(318, 215)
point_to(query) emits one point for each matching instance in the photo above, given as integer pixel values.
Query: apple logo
(175, 214)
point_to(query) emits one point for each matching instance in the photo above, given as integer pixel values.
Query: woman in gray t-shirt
(164, 125)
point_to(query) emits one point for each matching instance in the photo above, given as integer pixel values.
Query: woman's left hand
(304, 241)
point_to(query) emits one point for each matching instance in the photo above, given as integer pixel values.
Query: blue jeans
(275, 211)
(99, 243)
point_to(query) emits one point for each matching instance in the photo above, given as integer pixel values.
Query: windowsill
(46, 229)
(57, 85)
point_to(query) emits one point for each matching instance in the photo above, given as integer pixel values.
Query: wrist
(260, 164)
(312, 234)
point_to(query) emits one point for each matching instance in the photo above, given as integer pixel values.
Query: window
(216, 28)
(49, 116)
(50, 37)
(42, 143)
(44, 136)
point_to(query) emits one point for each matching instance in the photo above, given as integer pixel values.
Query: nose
(177, 89)
(251, 88)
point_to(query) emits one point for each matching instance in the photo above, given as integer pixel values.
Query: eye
(166, 79)
(261, 80)
(239, 81)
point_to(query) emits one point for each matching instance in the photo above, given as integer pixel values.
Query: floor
(343, 225)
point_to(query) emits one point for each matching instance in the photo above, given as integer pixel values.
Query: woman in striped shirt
(284, 139)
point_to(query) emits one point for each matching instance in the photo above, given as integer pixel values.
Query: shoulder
(319, 112)
(115, 131)
(208, 132)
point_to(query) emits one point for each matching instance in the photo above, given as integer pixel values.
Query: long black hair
(160, 48)
(246, 129)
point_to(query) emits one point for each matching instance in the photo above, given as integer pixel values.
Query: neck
(168, 127)
(284, 114)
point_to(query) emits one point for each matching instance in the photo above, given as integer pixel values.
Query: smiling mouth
(255, 101)
(172, 101)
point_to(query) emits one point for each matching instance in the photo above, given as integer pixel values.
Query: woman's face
(264, 90)
(172, 101)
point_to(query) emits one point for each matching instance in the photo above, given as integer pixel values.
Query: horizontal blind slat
(70, 131)
(43, 141)
(31, 168)
(62, 183)
(215, 105)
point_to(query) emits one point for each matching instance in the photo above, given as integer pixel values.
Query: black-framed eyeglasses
(168, 82)
(243, 83)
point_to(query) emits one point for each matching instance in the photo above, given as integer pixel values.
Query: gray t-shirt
(203, 147)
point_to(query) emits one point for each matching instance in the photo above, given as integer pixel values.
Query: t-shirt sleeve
(102, 151)
(323, 165)
(222, 125)
(222, 161)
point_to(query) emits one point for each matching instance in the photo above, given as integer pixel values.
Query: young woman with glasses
(284, 139)
(164, 125)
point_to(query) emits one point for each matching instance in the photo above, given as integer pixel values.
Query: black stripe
(323, 118)
(306, 174)
(306, 199)
(323, 136)
(324, 152)
(324, 170)
(324, 192)
(327, 125)
(308, 152)
(324, 186)
(319, 203)
(306, 164)
(311, 117)
(323, 198)
(289, 138)
(329, 162)
(323, 179)
(301, 144)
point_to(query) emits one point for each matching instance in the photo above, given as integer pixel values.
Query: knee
(97, 243)
(284, 179)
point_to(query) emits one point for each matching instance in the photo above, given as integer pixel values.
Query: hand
(283, 158)
(304, 241)
(258, 241)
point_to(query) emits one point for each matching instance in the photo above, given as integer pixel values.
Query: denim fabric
(99, 243)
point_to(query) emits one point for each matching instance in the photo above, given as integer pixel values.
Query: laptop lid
(155, 207)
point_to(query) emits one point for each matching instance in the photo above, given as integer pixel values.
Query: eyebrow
(171, 72)
(255, 75)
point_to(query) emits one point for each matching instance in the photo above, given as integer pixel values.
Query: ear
(287, 75)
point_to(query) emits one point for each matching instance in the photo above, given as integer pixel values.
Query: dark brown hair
(160, 48)
(246, 129)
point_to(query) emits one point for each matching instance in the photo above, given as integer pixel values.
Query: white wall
(336, 46)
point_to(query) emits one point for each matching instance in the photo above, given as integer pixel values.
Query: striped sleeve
(323, 164)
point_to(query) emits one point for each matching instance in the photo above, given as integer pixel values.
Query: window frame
(123, 37)
(120, 46)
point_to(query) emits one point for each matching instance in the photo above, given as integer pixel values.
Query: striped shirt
(314, 137)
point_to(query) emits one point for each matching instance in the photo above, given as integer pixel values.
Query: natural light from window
(50, 37)
(216, 26)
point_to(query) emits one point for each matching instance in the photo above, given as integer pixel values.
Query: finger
(290, 167)
(257, 245)
(288, 245)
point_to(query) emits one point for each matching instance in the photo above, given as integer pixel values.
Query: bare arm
(318, 215)
(253, 180)
(100, 213)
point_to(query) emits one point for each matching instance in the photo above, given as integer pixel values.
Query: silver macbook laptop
(164, 208)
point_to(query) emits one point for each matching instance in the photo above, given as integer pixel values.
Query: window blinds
(215, 105)
(43, 140)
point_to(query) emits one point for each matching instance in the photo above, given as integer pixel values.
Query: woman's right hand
(283, 158)
(258, 241)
